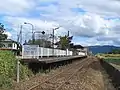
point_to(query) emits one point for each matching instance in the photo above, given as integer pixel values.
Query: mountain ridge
(102, 48)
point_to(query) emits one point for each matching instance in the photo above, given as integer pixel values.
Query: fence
(30, 51)
(34, 51)
(114, 73)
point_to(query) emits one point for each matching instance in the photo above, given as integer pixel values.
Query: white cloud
(80, 25)
(15, 7)
(39, 25)
(102, 7)
(87, 25)
(8, 34)
(90, 24)
(94, 41)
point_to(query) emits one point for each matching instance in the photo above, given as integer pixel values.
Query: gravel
(95, 78)
(92, 77)
(40, 77)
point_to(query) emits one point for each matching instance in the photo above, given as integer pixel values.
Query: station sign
(30, 50)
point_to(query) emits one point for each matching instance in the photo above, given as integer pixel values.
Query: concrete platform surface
(51, 59)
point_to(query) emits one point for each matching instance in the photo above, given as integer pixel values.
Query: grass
(8, 70)
(110, 58)
(114, 61)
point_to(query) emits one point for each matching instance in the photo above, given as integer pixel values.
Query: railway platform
(48, 60)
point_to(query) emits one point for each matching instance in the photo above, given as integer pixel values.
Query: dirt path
(93, 77)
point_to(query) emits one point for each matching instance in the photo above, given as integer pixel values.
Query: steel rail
(58, 88)
(39, 84)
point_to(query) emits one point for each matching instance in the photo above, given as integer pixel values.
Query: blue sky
(90, 22)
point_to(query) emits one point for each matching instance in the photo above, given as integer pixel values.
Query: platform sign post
(18, 70)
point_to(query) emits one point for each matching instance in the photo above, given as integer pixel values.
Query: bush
(7, 63)
(5, 82)
(8, 69)
(25, 73)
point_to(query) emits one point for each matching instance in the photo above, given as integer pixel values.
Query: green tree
(116, 51)
(64, 42)
(2, 35)
(40, 42)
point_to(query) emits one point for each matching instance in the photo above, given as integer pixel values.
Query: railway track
(57, 81)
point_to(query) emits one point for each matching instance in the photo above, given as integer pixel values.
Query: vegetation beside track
(8, 64)
(110, 58)
(106, 56)
(111, 63)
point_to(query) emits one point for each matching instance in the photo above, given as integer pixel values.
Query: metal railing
(34, 51)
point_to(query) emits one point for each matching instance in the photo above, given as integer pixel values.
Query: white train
(34, 51)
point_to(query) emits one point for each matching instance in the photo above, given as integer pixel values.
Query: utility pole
(53, 39)
(68, 33)
(32, 31)
(43, 33)
(18, 62)
(53, 43)
(68, 40)
(21, 34)
(67, 48)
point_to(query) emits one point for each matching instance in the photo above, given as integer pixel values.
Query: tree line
(63, 43)
(3, 36)
(116, 51)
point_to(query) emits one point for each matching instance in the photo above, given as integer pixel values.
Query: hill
(102, 49)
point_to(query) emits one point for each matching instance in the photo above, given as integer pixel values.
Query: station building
(10, 45)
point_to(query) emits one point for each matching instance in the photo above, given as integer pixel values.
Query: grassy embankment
(110, 58)
(8, 70)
